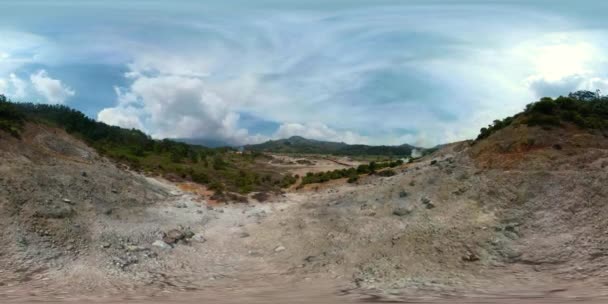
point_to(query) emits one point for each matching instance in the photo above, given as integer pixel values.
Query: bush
(386, 173)
(352, 179)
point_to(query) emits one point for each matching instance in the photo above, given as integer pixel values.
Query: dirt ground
(451, 228)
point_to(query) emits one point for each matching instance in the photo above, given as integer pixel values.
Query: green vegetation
(351, 173)
(11, 120)
(297, 144)
(584, 108)
(222, 169)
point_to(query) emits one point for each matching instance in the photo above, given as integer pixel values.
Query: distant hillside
(298, 144)
(206, 142)
(218, 168)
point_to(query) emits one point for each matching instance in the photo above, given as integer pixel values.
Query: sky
(245, 71)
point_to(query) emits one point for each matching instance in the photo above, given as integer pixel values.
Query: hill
(219, 168)
(298, 144)
(518, 213)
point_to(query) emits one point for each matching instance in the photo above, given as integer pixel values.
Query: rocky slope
(520, 212)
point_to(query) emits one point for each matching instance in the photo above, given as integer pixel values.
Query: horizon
(360, 72)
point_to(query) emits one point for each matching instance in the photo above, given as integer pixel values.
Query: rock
(134, 248)
(124, 262)
(427, 203)
(244, 235)
(402, 211)
(173, 236)
(84, 174)
(114, 191)
(160, 244)
(470, 256)
(181, 205)
(403, 194)
(310, 259)
(279, 249)
(67, 201)
(199, 238)
(188, 234)
(106, 245)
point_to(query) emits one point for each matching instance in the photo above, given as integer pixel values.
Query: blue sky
(375, 72)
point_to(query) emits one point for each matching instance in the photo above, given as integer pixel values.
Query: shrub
(386, 173)
(352, 179)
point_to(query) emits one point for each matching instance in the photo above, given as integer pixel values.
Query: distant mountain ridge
(299, 144)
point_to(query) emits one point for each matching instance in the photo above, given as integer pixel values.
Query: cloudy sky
(243, 71)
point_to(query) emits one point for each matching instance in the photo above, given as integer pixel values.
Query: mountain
(298, 144)
(205, 142)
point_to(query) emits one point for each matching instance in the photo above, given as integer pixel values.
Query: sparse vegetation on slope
(351, 173)
(11, 120)
(584, 108)
(297, 144)
(220, 168)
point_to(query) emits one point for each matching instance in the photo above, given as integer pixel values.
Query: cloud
(19, 86)
(172, 106)
(319, 131)
(363, 67)
(52, 89)
(3, 87)
(13, 87)
(126, 117)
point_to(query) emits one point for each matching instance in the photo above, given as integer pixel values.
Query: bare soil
(506, 220)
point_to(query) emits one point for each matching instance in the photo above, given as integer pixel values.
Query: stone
(188, 234)
(199, 238)
(244, 235)
(427, 203)
(279, 249)
(135, 248)
(67, 201)
(402, 211)
(106, 245)
(173, 236)
(160, 244)
(181, 205)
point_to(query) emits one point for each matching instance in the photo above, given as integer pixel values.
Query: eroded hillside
(522, 210)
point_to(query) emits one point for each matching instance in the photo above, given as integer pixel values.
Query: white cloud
(125, 117)
(52, 89)
(13, 87)
(18, 85)
(3, 87)
(171, 106)
(319, 131)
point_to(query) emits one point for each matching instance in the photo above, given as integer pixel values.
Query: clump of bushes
(11, 119)
(586, 109)
(352, 173)
(386, 173)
